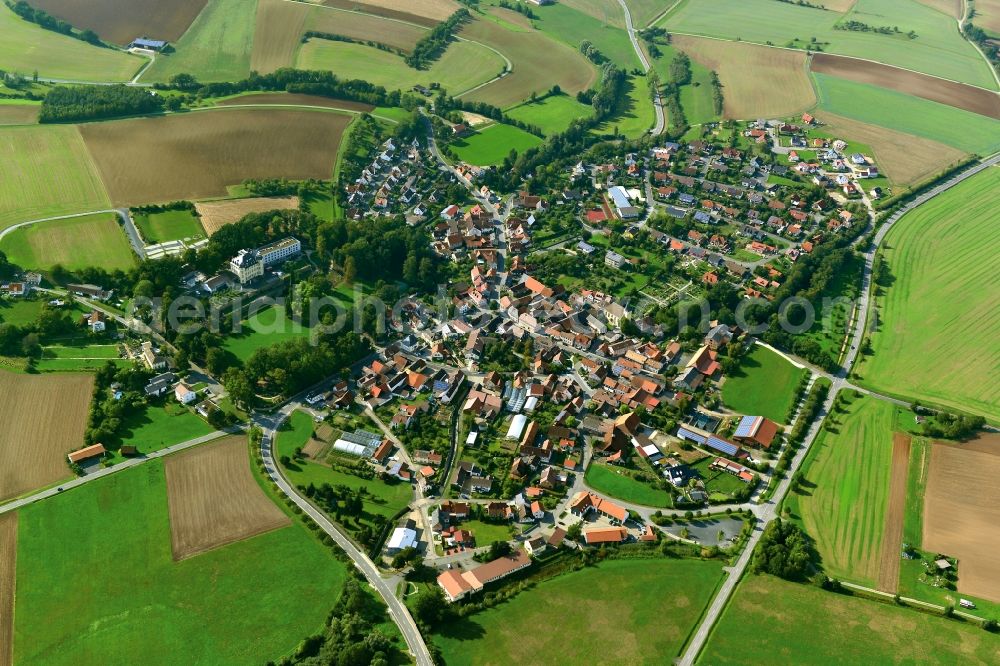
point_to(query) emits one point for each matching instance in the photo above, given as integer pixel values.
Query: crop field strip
(961, 96)
(429, 11)
(843, 506)
(217, 214)
(296, 99)
(988, 15)
(44, 418)
(8, 563)
(121, 21)
(538, 63)
(962, 511)
(941, 312)
(214, 499)
(199, 154)
(19, 114)
(892, 541)
(74, 243)
(46, 171)
(905, 159)
(952, 8)
(938, 49)
(27, 48)
(606, 11)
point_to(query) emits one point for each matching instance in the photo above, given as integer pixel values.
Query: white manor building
(249, 264)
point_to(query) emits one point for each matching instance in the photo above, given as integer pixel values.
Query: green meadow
(97, 583)
(491, 144)
(618, 483)
(764, 384)
(74, 243)
(168, 225)
(552, 114)
(961, 129)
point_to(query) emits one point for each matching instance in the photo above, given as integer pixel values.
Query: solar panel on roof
(745, 429)
(722, 445)
(684, 433)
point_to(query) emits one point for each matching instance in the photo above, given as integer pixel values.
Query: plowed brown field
(217, 214)
(214, 498)
(121, 21)
(42, 418)
(8, 559)
(421, 12)
(961, 96)
(892, 540)
(196, 155)
(962, 511)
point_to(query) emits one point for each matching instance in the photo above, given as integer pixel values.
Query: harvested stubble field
(904, 158)
(217, 214)
(8, 559)
(46, 171)
(961, 96)
(121, 21)
(198, 154)
(296, 99)
(214, 498)
(427, 11)
(741, 67)
(987, 15)
(44, 418)
(539, 63)
(892, 540)
(962, 511)
(19, 114)
(936, 338)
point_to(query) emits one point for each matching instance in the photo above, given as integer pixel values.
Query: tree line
(49, 22)
(434, 43)
(71, 104)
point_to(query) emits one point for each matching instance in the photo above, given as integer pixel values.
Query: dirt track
(8, 557)
(121, 21)
(217, 214)
(958, 95)
(962, 511)
(42, 418)
(214, 498)
(892, 542)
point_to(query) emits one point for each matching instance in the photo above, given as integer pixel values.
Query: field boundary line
(838, 55)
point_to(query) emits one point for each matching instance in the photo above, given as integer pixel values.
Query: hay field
(26, 48)
(758, 82)
(539, 63)
(46, 171)
(75, 243)
(904, 158)
(936, 339)
(199, 154)
(19, 114)
(644, 11)
(217, 46)
(43, 417)
(8, 559)
(952, 8)
(962, 511)
(121, 21)
(772, 621)
(892, 542)
(939, 49)
(217, 214)
(214, 499)
(432, 10)
(842, 504)
(961, 96)
(463, 66)
(608, 12)
(969, 132)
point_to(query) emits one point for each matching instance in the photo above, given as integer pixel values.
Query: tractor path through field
(658, 102)
(892, 536)
(16, 504)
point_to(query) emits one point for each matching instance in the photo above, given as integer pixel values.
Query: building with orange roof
(583, 502)
(600, 535)
(91, 451)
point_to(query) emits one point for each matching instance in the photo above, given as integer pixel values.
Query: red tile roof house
(601, 535)
(583, 502)
(458, 584)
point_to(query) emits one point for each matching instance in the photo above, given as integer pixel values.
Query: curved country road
(400, 615)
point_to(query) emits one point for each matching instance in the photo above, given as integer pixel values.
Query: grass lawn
(717, 481)
(650, 605)
(843, 503)
(492, 144)
(162, 425)
(954, 127)
(75, 358)
(764, 384)
(386, 500)
(617, 483)
(636, 115)
(75, 243)
(487, 533)
(27, 48)
(936, 338)
(119, 526)
(463, 65)
(20, 312)
(787, 628)
(216, 47)
(267, 327)
(46, 171)
(939, 49)
(552, 114)
(168, 225)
